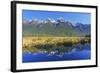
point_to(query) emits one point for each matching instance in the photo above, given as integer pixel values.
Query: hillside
(51, 27)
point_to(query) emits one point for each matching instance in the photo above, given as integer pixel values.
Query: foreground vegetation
(52, 44)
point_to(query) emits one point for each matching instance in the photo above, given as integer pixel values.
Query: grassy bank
(35, 44)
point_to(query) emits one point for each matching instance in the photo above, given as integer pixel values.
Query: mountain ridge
(58, 27)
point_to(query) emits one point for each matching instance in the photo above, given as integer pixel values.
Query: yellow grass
(52, 40)
(34, 44)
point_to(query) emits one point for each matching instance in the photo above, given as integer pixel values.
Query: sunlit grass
(35, 44)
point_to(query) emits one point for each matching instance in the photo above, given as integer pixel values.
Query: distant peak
(51, 20)
(61, 19)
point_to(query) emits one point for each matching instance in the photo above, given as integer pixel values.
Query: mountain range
(52, 27)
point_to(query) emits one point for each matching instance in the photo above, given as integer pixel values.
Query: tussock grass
(35, 44)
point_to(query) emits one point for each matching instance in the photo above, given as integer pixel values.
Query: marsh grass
(50, 44)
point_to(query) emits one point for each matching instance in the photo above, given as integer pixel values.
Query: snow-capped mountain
(59, 25)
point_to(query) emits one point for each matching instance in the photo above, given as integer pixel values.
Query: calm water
(75, 54)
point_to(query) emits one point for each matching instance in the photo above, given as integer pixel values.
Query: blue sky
(74, 17)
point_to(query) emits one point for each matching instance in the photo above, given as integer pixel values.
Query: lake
(74, 54)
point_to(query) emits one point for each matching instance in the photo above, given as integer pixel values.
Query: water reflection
(61, 50)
